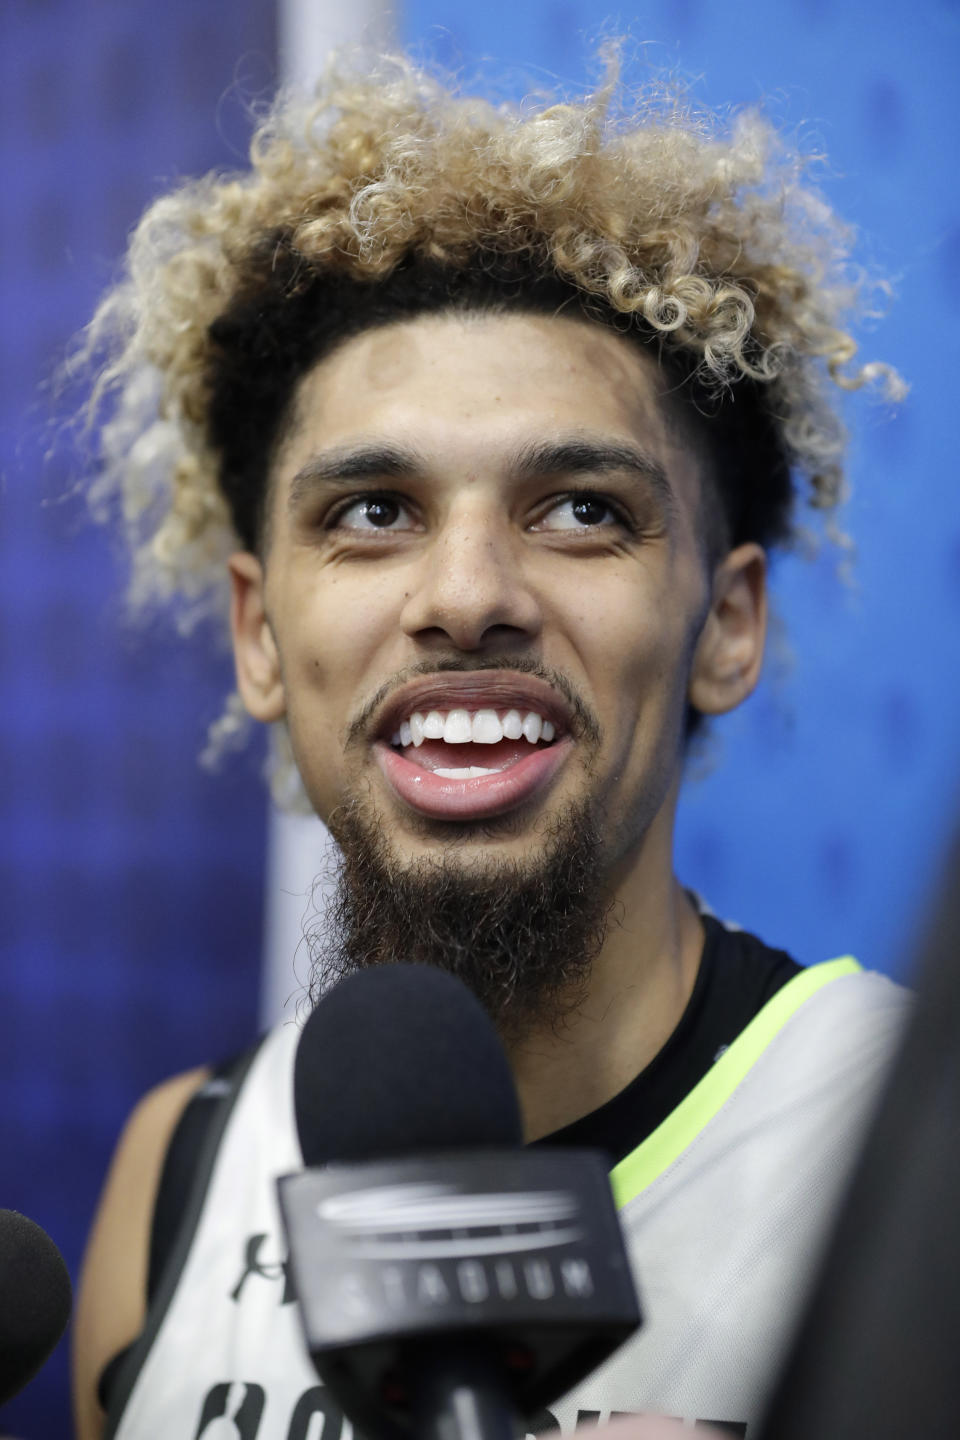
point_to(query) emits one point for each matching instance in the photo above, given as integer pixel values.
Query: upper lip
(474, 690)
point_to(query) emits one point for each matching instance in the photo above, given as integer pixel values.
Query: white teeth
(467, 772)
(395, 738)
(433, 726)
(485, 728)
(482, 727)
(457, 730)
(532, 726)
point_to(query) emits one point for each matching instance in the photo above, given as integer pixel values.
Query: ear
(729, 652)
(254, 649)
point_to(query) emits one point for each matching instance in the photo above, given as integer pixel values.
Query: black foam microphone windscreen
(35, 1300)
(401, 1060)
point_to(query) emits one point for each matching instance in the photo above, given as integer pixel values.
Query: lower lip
(479, 799)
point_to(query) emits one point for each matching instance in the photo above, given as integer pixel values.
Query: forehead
(464, 387)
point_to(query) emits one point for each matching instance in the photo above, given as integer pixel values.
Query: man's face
(479, 526)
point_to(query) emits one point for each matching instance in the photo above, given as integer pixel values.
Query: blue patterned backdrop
(130, 888)
(130, 883)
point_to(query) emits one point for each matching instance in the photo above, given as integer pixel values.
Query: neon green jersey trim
(681, 1127)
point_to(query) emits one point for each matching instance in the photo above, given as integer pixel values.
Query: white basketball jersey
(724, 1208)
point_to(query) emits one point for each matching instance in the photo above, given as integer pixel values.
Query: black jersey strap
(177, 1180)
(182, 1161)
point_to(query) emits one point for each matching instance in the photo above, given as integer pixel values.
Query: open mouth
(468, 761)
(466, 745)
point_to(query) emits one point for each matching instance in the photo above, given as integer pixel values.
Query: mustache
(584, 724)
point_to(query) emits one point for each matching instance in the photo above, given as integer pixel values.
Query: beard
(521, 934)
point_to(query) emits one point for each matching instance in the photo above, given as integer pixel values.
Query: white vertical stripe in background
(297, 846)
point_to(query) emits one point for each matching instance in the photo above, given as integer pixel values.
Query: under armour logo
(266, 1270)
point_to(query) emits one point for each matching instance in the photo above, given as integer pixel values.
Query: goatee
(522, 934)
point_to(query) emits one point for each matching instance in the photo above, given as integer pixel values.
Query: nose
(470, 590)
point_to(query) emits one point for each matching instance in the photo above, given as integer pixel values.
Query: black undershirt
(738, 974)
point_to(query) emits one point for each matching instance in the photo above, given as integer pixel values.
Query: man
(491, 418)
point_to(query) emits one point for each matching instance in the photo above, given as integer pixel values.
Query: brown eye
(579, 512)
(373, 512)
(588, 510)
(382, 513)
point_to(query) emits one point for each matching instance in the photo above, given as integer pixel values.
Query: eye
(579, 512)
(372, 512)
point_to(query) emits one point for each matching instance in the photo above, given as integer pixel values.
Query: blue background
(130, 881)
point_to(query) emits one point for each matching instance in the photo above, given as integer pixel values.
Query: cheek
(332, 637)
(629, 634)
(636, 646)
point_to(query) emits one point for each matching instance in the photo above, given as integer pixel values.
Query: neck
(639, 987)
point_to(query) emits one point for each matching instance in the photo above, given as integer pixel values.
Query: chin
(514, 835)
(466, 849)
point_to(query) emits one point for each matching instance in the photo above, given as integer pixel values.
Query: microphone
(398, 1061)
(35, 1300)
(449, 1282)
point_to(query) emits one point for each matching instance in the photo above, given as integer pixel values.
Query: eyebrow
(343, 467)
(586, 456)
(572, 456)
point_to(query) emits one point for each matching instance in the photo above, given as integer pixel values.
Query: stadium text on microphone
(440, 1245)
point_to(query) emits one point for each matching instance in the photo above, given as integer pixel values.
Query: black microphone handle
(459, 1394)
(441, 1295)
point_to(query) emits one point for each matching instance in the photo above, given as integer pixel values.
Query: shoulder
(862, 998)
(829, 1037)
(111, 1300)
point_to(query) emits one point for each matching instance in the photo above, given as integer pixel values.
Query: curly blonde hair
(706, 235)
